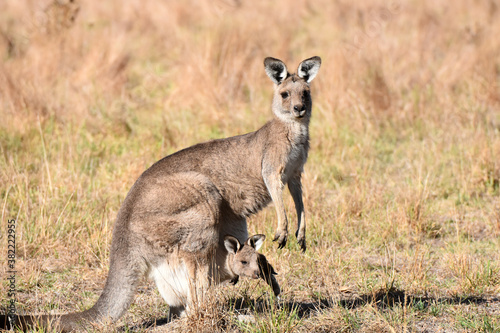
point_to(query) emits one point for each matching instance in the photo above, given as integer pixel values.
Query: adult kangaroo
(173, 222)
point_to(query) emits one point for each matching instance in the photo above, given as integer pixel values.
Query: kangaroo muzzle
(299, 110)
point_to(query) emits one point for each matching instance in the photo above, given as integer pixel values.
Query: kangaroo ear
(275, 69)
(232, 244)
(256, 241)
(309, 68)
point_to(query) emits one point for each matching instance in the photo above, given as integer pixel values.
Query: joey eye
(243, 262)
(284, 95)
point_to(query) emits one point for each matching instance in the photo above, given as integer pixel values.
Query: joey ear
(256, 241)
(309, 68)
(275, 69)
(232, 244)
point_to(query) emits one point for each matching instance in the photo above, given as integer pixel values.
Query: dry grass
(402, 184)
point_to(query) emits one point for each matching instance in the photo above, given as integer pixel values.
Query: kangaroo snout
(299, 110)
(256, 274)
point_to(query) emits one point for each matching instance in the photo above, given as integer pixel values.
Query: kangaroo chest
(294, 161)
(296, 155)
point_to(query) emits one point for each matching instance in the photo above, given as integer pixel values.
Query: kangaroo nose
(300, 110)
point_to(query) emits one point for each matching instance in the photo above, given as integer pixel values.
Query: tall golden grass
(401, 187)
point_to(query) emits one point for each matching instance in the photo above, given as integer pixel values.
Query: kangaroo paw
(234, 280)
(302, 243)
(301, 239)
(281, 237)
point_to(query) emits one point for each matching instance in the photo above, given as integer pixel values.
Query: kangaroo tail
(126, 270)
(30, 322)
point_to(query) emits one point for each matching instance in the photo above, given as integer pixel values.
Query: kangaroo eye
(244, 262)
(284, 95)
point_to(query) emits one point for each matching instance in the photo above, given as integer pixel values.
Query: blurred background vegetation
(401, 186)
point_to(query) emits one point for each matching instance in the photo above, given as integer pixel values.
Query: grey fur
(175, 218)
